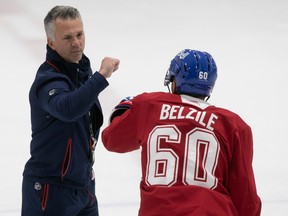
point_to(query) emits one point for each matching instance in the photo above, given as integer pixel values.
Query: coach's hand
(108, 66)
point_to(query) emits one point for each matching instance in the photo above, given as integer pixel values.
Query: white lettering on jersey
(178, 112)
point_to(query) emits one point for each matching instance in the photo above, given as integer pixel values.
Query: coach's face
(69, 40)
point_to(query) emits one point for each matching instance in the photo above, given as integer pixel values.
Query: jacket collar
(78, 73)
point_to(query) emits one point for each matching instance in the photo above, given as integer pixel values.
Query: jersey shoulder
(150, 95)
(157, 96)
(228, 116)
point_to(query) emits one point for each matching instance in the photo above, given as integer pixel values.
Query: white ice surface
(248, 39)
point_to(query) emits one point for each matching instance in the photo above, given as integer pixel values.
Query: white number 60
(203, 75)
(200, 157)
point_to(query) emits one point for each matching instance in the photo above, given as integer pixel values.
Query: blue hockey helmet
(195, 72)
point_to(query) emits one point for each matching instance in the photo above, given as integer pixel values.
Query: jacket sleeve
(242, 185)
(59, 99)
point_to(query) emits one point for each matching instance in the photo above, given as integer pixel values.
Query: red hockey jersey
(196, 158)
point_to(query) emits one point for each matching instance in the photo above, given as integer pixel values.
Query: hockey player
(196, 157)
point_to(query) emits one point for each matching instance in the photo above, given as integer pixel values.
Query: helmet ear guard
(195, 72)
(171, 72)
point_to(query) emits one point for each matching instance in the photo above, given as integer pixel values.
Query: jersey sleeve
(122, 135)
(241, 184)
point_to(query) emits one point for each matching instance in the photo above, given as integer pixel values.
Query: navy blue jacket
(61, 97)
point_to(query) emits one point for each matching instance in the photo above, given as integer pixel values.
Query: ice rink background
(248, 39)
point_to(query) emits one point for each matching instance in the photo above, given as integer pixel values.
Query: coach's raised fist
(108, 66)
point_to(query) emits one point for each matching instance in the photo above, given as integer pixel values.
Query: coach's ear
(118, 110)
(50, 43)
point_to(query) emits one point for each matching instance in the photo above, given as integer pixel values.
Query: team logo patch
(37, 186)
(52, 92)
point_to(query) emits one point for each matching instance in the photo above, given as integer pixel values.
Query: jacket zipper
(45, 197)
(67, 159)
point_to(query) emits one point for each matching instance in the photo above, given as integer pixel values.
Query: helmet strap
(169, 90)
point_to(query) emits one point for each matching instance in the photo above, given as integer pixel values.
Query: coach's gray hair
(62, 12)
